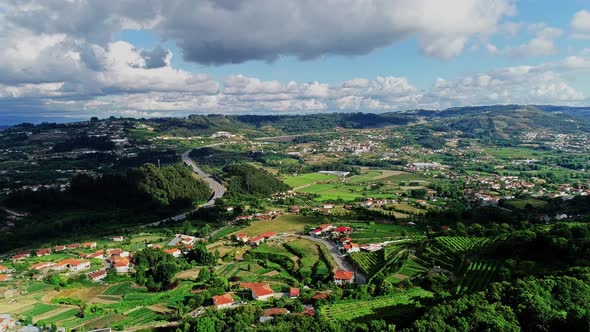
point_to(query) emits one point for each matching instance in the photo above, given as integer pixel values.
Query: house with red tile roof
(59, 248)
(223, 301)
(73, 246)
(43, 252)
(120, 264)
(262, 293)
(3, 269)
(241, 237)
(4, 277)
(97, 275)
(294, 292)
(268, 314)
(71, 264)
(89, 245)
(343, 277)
(175, 252)
(20, 256)
(268, 235)
(256, 240)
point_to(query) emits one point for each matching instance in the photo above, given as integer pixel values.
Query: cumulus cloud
(541, 45)
(219, 32)
(581, 25)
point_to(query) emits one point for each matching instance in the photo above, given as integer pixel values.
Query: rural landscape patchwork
(411, 220)
(294, 166)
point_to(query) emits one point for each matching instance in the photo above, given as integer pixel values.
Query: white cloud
(541, 45)
(581, 25)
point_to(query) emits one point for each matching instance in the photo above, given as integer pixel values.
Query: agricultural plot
(460, 244)
(123, 289)
(476, 276)
(379, 232)
(309, 257)
(284, 223)
(367, 262)
(307, 179)
(411, 268)
(39, 309)
(62, 316)
(141, 316)
(351, 310)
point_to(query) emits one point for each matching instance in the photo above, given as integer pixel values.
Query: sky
(65, 60)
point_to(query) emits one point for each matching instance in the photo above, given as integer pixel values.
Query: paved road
(343, 264)
(218, 188)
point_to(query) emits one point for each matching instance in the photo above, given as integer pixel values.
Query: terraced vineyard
(459, 244)
(476, 276)
(351, 310)
(367, 262)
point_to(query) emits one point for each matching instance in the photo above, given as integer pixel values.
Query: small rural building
(294, 292)
(256, 241)
(223, 301)
(118, 238)
(97, 275)
(241, 237)
(294, 209)
(262, 293)
(268, 314)
(89, 245)
(73, 246)
(3, 269)
(71, 264)
(43, 252)
(119, 252)
(120, 264)
(175, 252)
(343, 277)
(97, 255)
(59, 248)
(20, 256)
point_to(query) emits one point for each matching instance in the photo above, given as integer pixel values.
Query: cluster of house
(258, 291)
(48, 251)
(255, 240)
(4, 273)
(6, 323)
(349, 145)
(268, 215)
(184, 241)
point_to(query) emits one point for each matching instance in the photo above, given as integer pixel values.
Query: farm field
(476, 276)
(284, 223)
(306, 179)
(458, 244)
(352, 310)
(379, 232)
(521, 204)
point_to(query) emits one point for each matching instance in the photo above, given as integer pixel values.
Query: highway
(343, 264)
(217, 188)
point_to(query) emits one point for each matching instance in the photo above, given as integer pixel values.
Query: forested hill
(245, 179)
(260, 125)
(497, 121)
(103, 204)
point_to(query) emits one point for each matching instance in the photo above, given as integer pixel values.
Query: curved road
(218, 188)
(343, 264)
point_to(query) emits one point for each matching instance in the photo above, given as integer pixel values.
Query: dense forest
(94, 204)
(245, 179)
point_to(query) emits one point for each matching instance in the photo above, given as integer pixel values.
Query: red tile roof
(293, 292)
(274, 311)
(259, 291)
(343, 275)
(318, 296)
(96, 274)
(268, 234)
(223, 299)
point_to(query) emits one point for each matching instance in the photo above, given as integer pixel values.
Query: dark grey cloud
(156, 58)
